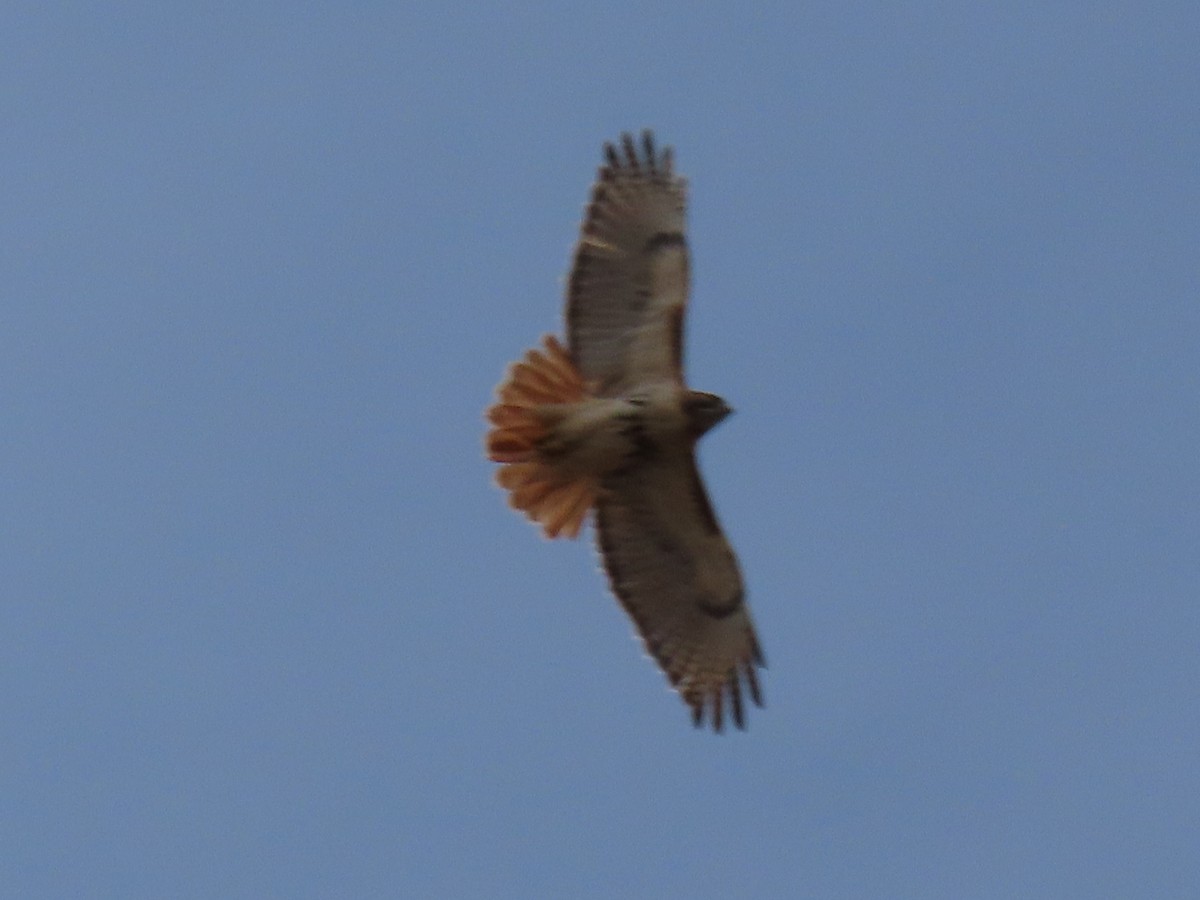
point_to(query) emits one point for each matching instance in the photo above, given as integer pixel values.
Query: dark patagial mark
(700, 498)
(664, 239)
(633, 428)
(675, 336)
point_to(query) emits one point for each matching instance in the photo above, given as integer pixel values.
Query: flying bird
(607, 423)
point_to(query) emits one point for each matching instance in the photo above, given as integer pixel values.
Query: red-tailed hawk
(609, 424)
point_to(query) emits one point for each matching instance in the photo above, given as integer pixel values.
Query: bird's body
(595, 436)
(609, 425)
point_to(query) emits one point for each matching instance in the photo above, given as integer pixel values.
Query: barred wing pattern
(629, 281)
(676, 575)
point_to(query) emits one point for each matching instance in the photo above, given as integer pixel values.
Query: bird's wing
(629, 282)
(676, 575)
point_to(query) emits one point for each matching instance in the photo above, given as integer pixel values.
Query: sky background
(268, 630)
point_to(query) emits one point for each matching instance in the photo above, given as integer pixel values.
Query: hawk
(608, 424)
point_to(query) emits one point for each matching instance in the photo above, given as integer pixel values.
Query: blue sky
(267, 630)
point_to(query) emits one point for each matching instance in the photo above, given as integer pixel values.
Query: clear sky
(268, 630)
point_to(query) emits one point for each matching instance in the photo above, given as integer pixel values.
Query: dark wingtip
(624, 154)
(711, 706)
(756, 652)
(735, 695)
(752, 684)
(631, 156)
(610, 156)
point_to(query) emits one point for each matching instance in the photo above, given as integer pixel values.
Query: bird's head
(703, 411)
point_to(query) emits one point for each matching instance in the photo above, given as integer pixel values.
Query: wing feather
(629, 281)
(677, 577)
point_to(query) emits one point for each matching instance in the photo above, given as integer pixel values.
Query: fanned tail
(519, 424)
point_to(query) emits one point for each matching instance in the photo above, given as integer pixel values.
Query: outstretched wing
(676, 575)
(629, 282)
